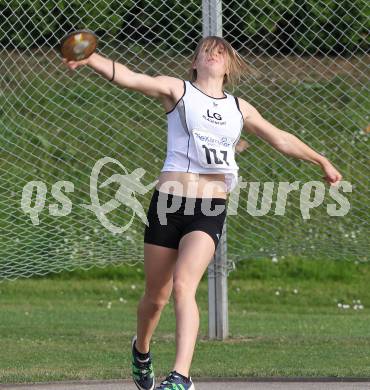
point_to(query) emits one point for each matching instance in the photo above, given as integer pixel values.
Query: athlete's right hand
(75, 64)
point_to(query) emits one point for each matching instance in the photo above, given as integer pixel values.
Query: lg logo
(215, 115)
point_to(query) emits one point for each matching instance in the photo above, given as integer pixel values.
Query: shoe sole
(137, 385)
(142, 388)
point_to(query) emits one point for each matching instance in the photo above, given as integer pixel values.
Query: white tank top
(202, 134)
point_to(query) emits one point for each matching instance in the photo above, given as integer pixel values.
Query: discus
(78, 45)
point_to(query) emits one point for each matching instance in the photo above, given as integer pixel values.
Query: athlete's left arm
(285, 142)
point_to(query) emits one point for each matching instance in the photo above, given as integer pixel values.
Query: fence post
(218, 324)
(212, 17)
(218, 320)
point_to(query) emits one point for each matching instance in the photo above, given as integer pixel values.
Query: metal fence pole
(212, 17)
(218, 324)
(218, 320)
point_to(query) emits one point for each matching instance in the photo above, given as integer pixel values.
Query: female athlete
(188, 205)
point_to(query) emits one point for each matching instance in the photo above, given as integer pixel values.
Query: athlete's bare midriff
(192, 185)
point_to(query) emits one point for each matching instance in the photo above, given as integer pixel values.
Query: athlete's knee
(157, 302)
(182, 288)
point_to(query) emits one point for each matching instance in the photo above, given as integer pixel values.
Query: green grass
(55, 127)
(56, 124)
(58, 328)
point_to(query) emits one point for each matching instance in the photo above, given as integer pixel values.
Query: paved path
(233, 385)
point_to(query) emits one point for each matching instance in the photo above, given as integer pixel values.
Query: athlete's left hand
(332, 176)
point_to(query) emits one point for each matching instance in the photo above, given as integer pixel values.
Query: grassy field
(286, 319)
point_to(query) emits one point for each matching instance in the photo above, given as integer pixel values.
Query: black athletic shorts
(172, 216)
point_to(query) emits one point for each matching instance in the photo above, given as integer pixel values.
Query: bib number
(212, 158)
(214, 151)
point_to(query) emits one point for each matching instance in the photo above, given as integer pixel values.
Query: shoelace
(168, 379)
(144, 367)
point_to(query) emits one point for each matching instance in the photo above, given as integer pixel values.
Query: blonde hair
(236, 64)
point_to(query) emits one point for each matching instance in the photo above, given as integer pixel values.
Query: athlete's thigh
(159, 263)
(196, 250)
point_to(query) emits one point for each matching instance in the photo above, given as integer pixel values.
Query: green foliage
(276, 26)
(29, 23)
(332, 27)
(299, 26)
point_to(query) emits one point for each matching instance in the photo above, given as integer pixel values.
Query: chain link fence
(309, 76)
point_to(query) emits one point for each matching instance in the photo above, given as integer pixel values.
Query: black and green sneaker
(176, 381)
(142, 368)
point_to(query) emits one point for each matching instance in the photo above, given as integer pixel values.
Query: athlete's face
(212, 60)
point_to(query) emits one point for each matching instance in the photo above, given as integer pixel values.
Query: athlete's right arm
(161, 87)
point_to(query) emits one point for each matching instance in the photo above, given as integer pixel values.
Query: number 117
(216, 159)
